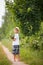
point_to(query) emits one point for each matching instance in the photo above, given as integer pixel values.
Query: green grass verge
(3, 58)
(27, 55)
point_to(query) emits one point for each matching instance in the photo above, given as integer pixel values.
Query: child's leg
(18, 57)
(14, 57)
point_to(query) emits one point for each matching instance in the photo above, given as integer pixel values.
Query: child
(16, 44)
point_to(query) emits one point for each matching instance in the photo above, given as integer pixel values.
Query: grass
(3, 58)
(32, 57)
(27, 55)
(7, 43)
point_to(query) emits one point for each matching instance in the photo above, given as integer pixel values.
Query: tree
(28, 12)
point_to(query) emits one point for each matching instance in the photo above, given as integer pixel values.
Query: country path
(10, 56)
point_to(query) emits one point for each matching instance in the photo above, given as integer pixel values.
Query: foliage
(25, 14)
(29, 15)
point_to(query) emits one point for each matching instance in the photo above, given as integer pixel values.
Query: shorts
(15, 49)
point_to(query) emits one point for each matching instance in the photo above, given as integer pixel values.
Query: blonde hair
(17, 28)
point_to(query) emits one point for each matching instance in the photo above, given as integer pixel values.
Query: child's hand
(14, 39)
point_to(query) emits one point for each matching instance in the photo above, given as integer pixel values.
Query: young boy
(16, 44)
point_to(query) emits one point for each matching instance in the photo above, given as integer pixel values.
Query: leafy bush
(35, 45)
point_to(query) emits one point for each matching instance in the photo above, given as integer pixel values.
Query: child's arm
(14, 39)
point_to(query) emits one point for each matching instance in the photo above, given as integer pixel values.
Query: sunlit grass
(7, 43)
(32, 57)
(3, 58)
